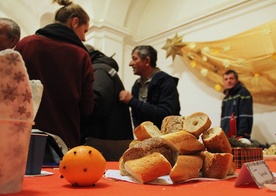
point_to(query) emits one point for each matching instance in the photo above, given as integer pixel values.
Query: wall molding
(218, 14)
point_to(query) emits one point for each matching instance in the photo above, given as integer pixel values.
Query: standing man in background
(154, 95)
(237, 100)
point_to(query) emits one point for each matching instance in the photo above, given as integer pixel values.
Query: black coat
(111, 118)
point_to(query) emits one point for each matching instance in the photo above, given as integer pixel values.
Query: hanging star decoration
(173, 46)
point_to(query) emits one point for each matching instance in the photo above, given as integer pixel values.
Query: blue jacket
(237, 100)
(162, 100)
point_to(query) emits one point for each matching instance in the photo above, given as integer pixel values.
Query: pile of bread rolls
(184, 148)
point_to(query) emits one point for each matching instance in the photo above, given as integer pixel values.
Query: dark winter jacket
(56, 56)
(162, 100)
(237, 100)
(111, 118)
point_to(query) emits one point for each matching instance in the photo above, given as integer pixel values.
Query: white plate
(43, 173)
(269, 157)
(163, 180)
(271, 187)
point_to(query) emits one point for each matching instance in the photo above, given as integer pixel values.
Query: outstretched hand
(125, 96)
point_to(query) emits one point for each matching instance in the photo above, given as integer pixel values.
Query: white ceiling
(138, 19)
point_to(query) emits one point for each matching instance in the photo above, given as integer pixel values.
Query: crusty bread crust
(197, 123)
(148, 168)
(184, 142)
(157, 144)
(186, 167)
(148, 146)
(146, 130)
(129, 154)
(135, 141)
(216, 165)
(216, 141)
(172, 124)
(232, 169)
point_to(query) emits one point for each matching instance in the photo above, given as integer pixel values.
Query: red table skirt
(54, 185)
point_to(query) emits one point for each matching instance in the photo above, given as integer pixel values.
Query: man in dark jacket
(111, 118)
(154, 95)
(237, 100)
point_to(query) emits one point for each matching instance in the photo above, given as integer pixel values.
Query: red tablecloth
(54, 185)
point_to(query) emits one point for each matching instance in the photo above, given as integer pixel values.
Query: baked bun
(133, 142)
(129, 154)
(146, 130)
(184, 142)
(232, 169)
(197, 123)
(216, 165)
(157, 144)
(216, 141)
(148, 168)
(186, 167)
(172, 124)
(148, 146)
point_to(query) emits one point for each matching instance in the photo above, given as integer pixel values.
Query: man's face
(230, 81)
(138, 65)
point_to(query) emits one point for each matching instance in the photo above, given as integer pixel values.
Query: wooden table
(54, 185)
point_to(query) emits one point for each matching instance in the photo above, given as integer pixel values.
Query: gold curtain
(252, 54)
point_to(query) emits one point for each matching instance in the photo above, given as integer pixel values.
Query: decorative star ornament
(226, 63)
(204, 72)
(267, 30)
(226, 48)
(173, 46)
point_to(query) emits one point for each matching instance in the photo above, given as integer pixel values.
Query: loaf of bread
(146, 130)
(186, 167)
(216, 165)
(232, 169)
(148, 168)
(216, 141)
(129, 154)
(157, 144)
(172, 124)
(133, 142)
(148, 146)
(185, 142)
(197, 123)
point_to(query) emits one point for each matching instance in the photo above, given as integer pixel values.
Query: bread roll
(148, 168)
(157, 144)
(184, 142)
(216, 165)
(133, 142)
(232, 169)
(129, 154)
(172, 124)
(143, 148)
(216, 141)
(197, 123)
(186, 167)
(146, 130)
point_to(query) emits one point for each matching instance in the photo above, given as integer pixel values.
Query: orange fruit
(82, 166)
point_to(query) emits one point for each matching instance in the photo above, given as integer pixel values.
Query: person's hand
(125, 96)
